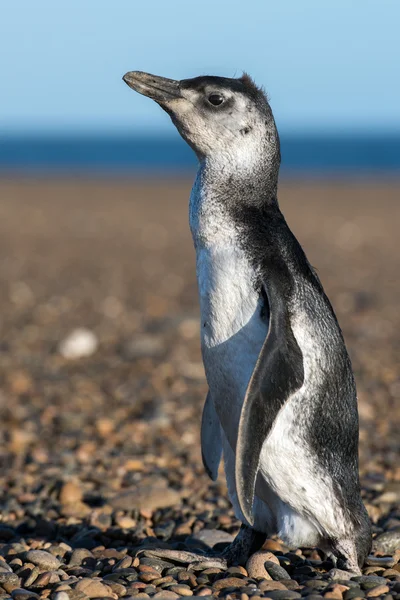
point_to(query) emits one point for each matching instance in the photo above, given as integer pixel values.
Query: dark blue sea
(106, 154)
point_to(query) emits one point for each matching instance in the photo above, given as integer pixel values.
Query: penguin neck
(224, 193)
(240, 179)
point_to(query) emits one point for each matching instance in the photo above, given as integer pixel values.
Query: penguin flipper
(211, 440)
(278, 373)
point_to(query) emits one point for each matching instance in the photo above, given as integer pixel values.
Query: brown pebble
(70, 493)
(181, 589)
(62, 587)
(269, 586)
(390, 573)
(148, 577)
(147, 569)
(256, 564)
(372, 570)
(273, 545)
(334, 594)
(340, 587)
(117, 588)
(377, 591)
(161, 580)
(220, 584)
(43, 579)
(93, 588)
(204, 592)
(237, 569)
(124, 563)
(11, 584)
(165, 595)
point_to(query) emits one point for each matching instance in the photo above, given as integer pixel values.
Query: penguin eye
(215, 99)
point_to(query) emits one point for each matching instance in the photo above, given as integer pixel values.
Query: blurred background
(101, 378)
(330, 71)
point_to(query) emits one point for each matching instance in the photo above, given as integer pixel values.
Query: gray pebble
(354, 592)
(211, 537)
(369, 581)
(43, 559)
(157, 563)
(32, 577)
(78, 556)
(9, 577)
(316, 583)
(387, 542)
(276, 572)
(22, 594)
(4, 566)
(380, 561)
(283, 595)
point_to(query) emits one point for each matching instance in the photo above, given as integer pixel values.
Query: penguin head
(227, 119)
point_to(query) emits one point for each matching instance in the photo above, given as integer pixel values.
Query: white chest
(232, 328)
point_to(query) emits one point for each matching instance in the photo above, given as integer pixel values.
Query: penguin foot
(238, 552)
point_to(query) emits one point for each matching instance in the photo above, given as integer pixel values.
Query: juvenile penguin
(282, 406)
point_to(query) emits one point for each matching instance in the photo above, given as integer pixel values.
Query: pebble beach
(102, 387)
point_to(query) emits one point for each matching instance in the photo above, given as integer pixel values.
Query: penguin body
(234, 326)
(282, 404)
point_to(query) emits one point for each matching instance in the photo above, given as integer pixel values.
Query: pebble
(22, 594)
(378, 591)
(79, 343)
(267, 586)
(228, 582)
(283, 595)
(204, 592)
(60, 596)
(70, 492)
(43, 579)
(354, 592)
(78, 556)
(387, 542)
(147, 497)
(93, 588)
(211, 537)
(275, 571)
(144, 345)
(181, 590)
(256, 564)
(8, 577)
(43, 559)
(32, 577)
(369, 581)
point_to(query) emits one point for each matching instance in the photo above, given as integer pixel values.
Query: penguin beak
(159, 89)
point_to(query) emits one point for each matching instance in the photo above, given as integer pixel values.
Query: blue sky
(330, 65)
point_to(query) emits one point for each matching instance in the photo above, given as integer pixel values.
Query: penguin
(282, 406)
